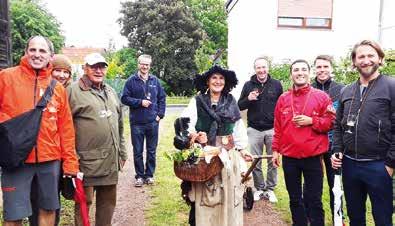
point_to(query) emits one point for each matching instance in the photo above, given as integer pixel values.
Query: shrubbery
(344, 73)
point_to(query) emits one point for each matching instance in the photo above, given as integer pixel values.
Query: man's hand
(276, 159)
(157, 118)
(253, 95)
(336, 160)
(246, 155)
(390, 170)
(201, 137)
(302, 120)
(122, 163)
(146, 103)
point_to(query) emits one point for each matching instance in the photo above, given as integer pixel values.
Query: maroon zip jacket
(304, 141)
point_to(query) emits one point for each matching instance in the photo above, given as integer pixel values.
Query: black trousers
(311, 194)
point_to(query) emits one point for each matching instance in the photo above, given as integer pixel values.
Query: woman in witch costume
(215, 119)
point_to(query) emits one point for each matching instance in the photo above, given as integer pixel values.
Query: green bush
(281, 72)
(343, 70)
(117, 84)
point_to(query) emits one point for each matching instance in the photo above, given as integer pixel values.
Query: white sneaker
(271, 196)
(258, 195)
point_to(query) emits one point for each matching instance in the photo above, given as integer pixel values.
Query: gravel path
(263, 215)
(131, 201)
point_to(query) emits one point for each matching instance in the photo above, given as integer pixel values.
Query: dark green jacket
(98, 124)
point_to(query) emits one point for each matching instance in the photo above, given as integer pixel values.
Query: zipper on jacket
(34, 105)
(379, 131)
(356, 134)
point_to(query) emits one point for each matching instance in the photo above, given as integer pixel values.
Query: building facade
(286, 30)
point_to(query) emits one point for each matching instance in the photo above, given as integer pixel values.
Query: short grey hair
(266, 58)
(146, 56)
(49, 43)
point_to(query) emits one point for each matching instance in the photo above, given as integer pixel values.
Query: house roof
(77, 55)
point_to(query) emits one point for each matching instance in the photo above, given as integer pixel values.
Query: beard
(369, 72)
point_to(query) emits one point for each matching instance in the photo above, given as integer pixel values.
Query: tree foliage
(212, 16)
(29, 18)
(167, 30)
(122, 63)
(343, 70)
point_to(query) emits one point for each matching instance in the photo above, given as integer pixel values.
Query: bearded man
(364, 138)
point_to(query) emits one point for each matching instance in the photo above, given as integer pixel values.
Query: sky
(88, 23)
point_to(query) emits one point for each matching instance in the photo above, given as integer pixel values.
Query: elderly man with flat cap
(98, 123)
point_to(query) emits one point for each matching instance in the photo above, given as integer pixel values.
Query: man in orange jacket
(21, 87)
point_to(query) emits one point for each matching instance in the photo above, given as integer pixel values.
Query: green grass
(177, 100)
(167, 206)
(67, 212)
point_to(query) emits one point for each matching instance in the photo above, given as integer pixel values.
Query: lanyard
(363, 98)
(304, 106)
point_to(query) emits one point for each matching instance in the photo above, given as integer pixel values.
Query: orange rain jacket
(21, 87)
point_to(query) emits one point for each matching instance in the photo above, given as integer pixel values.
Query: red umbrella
(80, 198)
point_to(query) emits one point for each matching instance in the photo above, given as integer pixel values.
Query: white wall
(253, 31)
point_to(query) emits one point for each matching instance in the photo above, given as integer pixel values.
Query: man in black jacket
(364, 137)
(324, 81)
(259, 96)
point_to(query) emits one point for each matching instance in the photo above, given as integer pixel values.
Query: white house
(291, 29)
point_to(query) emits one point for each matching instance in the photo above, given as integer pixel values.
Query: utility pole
(379, 39)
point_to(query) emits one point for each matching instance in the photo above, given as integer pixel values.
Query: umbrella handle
(337, 171)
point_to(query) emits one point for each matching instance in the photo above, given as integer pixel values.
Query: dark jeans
(311, 169)
(330, 176)
(148, 131)
(362, 178)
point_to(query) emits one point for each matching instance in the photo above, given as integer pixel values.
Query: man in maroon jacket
(302, 118)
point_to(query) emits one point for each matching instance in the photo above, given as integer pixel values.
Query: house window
(305, 14)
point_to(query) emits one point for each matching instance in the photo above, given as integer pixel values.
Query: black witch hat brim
(231, 81)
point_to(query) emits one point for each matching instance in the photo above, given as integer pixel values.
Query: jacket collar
(86, 84)
(301, 91)
(137, 76)
(255, 79)
(33, 73)
(358, 82)
(321, 86)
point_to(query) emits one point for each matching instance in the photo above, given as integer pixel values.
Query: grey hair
(49, 43)
(146, 56)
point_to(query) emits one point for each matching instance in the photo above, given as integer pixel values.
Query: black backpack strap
(47, 95)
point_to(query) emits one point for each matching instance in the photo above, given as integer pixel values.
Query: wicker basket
(198, 172)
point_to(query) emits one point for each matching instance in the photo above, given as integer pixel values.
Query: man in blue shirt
(146, 99)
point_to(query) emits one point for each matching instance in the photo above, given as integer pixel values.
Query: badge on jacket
(331, 109)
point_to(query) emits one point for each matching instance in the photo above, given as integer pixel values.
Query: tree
(122, 63)
(211, 14)
(167, 30)
(29, 18)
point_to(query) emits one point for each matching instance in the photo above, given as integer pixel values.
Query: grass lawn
(177, 100)
(167, 206)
